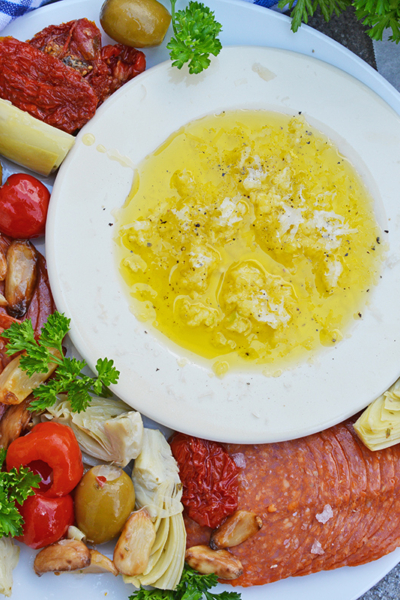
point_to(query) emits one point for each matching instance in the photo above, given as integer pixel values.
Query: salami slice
(303, 514)
(358, 486)
(388, 537)
(328, 521)
(378, 532)
(279, 484)
(373, 500)
(326, 501)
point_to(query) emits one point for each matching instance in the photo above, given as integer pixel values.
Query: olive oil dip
(249, 239)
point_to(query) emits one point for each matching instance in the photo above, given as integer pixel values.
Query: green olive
(104, 499)
(137, 23)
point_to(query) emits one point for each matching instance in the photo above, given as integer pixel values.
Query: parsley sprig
(196, 36)
(68, 376)
(15, 487)
(192, 586)
(378, 15)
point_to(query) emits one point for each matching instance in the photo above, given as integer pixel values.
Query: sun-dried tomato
(44, 86)
(209, 477)
(124, 64)
(78, 45)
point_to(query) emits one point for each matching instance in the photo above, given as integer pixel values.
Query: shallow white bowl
(87, 287)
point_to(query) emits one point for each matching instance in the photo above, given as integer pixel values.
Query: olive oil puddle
(248, 239)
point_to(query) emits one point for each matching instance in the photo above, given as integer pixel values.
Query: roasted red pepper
(46, 520)
(24, 201)
(209, 477)
(55, 445)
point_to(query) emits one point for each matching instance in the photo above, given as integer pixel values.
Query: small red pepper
(24, 201)
(52, 451)
(55, 445)
(46, 520)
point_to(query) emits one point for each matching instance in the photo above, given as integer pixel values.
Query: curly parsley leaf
(196, 37)
(15, 487)
(68, 377)
(378, 15)
(192, 586)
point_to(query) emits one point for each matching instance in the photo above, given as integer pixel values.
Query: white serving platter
(247, 25)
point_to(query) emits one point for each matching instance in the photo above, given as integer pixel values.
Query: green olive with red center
(137, 23)
(104, 499)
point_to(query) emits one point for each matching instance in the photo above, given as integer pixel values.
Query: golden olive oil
(249, 239)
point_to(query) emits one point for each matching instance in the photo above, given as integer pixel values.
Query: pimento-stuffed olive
(104, 499)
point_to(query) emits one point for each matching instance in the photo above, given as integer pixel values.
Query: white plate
(243, 24)
(91, 185)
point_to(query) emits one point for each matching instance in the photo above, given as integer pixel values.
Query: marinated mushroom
(133, 549)
(137, 23)
(100, 564)
(65, 555)
(104, 499)
(14, 422)
(16, 384)
(3, 265)
(220, 562)
(235, 530)
(21, 277)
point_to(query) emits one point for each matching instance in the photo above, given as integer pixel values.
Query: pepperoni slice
(340, 505)
(318, 546)
(378, 533)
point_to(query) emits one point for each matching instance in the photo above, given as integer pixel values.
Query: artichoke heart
(158, 488)
(31, 143)
(379, 425)
(107, 430)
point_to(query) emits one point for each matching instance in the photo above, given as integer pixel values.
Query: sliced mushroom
(3, 265)
(13, 422)
(21, 277)
(16, 384)
(100, 564)
(65, 555)
(132, 551)
(236, 529)
(205, 560)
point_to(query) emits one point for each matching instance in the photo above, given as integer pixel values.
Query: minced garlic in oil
(249, 239)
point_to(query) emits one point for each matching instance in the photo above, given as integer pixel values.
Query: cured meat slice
(378, 533)
(388, 537)
(289, 484)
(332, 445)
(279, 483)
(335, 495)
(358, 486)
(373, 498)
(277, 505)
(297, 526)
